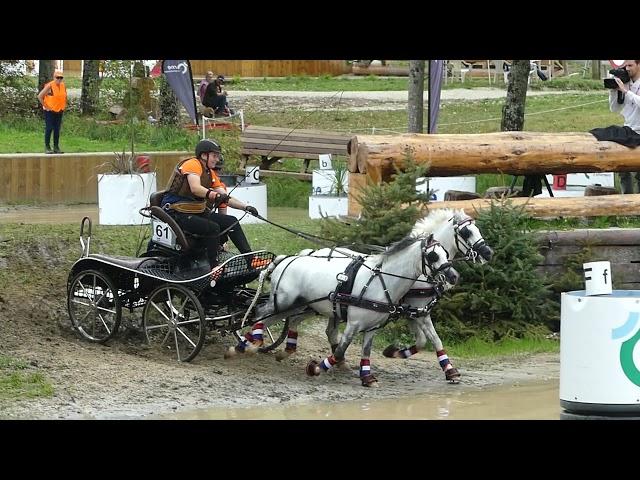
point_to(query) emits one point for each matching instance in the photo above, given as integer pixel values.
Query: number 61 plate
(163, 233)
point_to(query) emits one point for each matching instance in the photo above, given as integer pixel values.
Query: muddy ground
(125, 379)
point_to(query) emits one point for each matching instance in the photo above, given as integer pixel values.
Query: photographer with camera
(624, 99)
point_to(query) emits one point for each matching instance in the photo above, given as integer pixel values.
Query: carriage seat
(128, 262)
(156, 198)
(163, 216)
(186, 240)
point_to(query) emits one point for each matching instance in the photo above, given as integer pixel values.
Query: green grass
(319, 84)
(16, 382)
(20, 135)
(545, 113)
(475, 348)
(287, 192)
(373, 83)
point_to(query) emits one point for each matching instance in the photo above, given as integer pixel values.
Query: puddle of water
(516, 402)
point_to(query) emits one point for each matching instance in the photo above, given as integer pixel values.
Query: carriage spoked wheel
(273, 336)
(94, 306)
(173, 321)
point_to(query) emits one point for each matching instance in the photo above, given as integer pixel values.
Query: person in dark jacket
(216, 97)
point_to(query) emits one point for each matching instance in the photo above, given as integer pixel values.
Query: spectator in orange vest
(53, 98)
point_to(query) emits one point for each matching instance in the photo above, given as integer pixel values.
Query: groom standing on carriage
(193, 191)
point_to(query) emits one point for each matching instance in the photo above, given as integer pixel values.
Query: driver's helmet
(207, 145)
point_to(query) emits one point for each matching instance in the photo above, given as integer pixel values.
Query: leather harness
(343, 296)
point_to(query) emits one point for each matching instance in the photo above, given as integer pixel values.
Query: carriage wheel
(273, 336)
(173, 320)
(94, 306)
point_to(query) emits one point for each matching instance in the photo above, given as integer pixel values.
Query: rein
(320, 240)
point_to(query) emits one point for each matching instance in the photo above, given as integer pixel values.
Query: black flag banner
(178, 75)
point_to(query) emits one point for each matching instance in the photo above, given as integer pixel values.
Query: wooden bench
(274, 143)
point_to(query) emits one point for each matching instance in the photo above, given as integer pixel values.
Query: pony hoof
(369, 381)
(282, 354)
(342, 365)
(254, 347)
(230, 352)
(391, 352)
(313, 368)
(452, 375)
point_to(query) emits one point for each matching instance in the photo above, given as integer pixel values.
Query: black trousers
(200, 224)
(236, 234)
(52, 123)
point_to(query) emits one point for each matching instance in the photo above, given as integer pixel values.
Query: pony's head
(468, 238)
(433, 257)
(436, 264)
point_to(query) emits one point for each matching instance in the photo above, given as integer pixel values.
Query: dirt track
(124, 380)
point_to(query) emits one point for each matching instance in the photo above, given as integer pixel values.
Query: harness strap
(395, 310)
(305, 304)
(345, 285)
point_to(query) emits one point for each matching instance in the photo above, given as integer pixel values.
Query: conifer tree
(383, 220)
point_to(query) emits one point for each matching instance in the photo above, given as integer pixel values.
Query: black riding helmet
(207, 145)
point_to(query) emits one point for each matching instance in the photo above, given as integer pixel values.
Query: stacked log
(597, 190)
(566, 207)
(460, 195)
(515, 153)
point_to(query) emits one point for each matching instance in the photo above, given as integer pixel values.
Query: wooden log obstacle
(513, 153)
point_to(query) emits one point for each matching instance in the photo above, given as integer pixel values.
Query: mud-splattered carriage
(172, 286)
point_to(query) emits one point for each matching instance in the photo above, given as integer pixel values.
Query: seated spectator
(204, 84)
(215, 97)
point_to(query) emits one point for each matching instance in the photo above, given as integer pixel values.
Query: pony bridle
(462, 233)
(435, 273)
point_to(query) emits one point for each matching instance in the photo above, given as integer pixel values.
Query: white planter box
(251, 194)
(121, 196)
(322, 181)
(440, 185)
(328, 205)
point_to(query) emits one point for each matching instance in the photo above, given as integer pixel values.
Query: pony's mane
(397, 247)
(434, 219)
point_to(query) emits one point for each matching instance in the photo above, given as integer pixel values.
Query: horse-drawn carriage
(171, 282)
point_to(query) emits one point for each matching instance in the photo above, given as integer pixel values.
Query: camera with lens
(621, 73)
